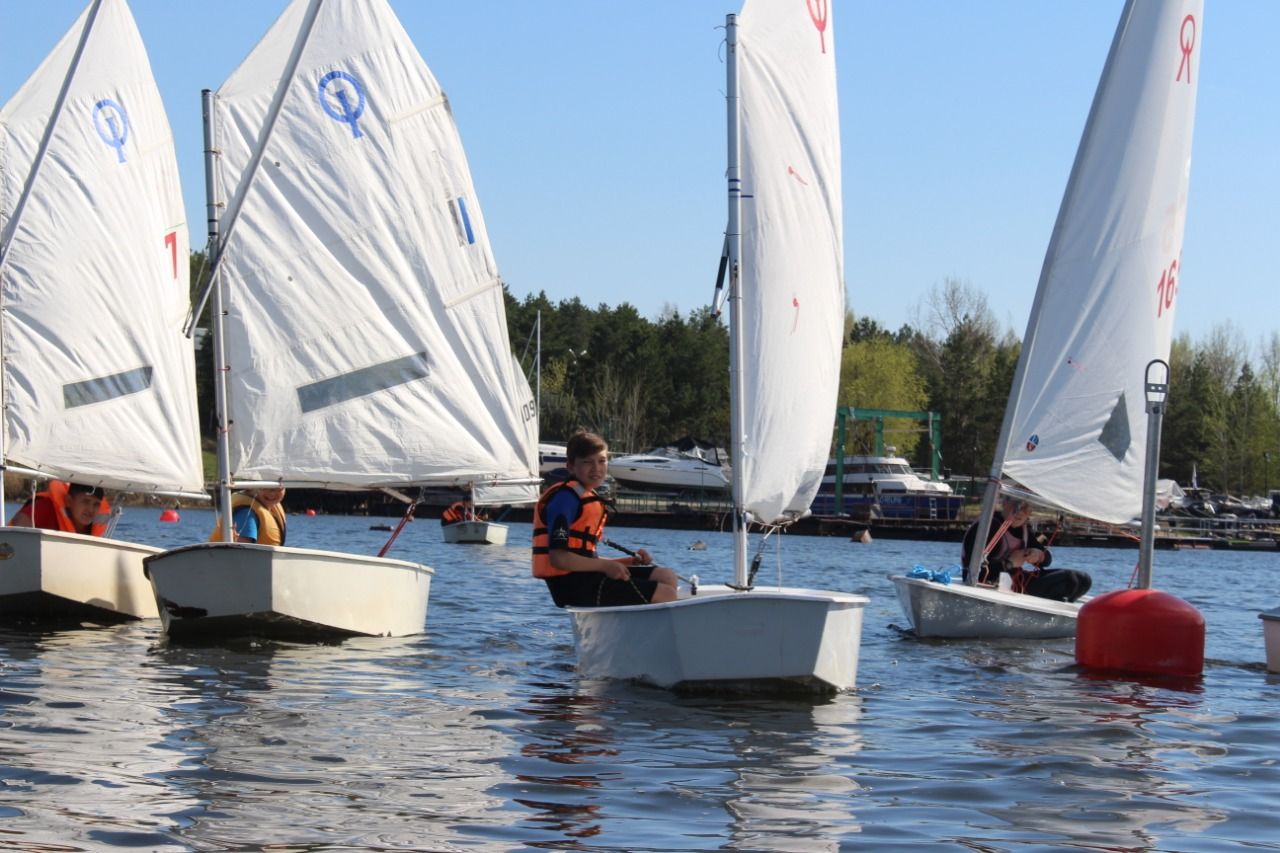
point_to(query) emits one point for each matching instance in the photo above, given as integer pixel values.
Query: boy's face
(82, 508)
(590, 470)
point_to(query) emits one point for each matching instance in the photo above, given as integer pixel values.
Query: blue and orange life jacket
(584, 531)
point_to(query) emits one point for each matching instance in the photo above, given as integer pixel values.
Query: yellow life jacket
(271, 520)
(584, 531)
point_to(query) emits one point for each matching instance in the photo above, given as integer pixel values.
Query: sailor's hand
(615, 570)
(642, 558)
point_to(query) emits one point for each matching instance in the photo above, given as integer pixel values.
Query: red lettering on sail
(1167, 289)
(171, 240)
(818, 13)
(1187, 41)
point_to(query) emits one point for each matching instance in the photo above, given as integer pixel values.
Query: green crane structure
(877, 416)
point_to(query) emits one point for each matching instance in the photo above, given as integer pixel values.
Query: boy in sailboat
(69, 507)
(257, 516)
(1017, 551)
(568, 523)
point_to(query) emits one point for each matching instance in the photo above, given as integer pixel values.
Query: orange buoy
(311, 512)
(1140, 631)
(169, 515)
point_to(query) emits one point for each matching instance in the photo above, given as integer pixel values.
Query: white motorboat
(1074, 433)
(99, 381)
(782, 112)
(551, 457)
(331, 138)
(669, 468)
(885, 486)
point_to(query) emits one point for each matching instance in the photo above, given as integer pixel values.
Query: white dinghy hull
(962, 611)
(1271, 638)
(48, 574)
(222, 589)
(475, 533)
(764, 640)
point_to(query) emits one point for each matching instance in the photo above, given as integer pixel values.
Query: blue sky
(595, 132)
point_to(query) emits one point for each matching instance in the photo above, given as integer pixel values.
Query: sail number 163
(1167, 289)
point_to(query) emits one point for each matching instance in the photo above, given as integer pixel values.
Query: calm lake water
(478, 735)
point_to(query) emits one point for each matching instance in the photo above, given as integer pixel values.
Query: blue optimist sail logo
(112, 124)
(342, 99)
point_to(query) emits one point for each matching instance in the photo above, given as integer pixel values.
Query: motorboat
(885, 487)
(671, 468)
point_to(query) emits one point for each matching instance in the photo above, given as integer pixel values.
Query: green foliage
(635, 381)
(642, 382)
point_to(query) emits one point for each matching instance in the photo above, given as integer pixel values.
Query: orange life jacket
(454, 513)
(57, 494)
(584, 531)
(271, 520)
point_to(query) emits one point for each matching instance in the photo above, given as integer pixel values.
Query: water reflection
(79, 769)
(1127, 751)
(349, 734)
(765, 774)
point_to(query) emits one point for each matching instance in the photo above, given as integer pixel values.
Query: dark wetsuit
(1057, 584)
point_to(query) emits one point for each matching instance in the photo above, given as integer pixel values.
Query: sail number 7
(1167, 289)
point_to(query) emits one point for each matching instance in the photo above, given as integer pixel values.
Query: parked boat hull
(51, 575)
(222, 589)
(962, 611)
(764, 640)
(1271, 638)
(475, 533)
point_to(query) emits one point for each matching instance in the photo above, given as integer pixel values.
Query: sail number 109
(1167, 289)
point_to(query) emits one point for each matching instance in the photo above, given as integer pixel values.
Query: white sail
(366, 331)
(792, 268)
(1076, 431)
(516, 486)
(99, 381)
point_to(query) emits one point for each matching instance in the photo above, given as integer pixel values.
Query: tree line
(642, 382)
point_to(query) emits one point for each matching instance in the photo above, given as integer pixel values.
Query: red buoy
(169, 515)
(1141, 631)
(311, 512)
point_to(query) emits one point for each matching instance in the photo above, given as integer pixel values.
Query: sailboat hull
(475, 533)
(764, 640)
(50, 575)
(963, 611)
(223, 589)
